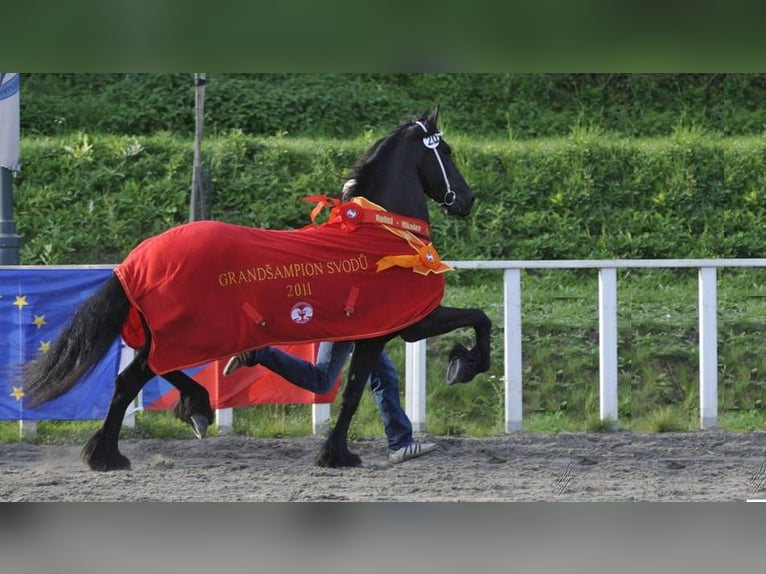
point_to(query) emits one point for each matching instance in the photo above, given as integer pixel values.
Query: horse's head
(438, 174)
(413, 157)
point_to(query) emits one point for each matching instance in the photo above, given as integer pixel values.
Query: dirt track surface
(706, 465)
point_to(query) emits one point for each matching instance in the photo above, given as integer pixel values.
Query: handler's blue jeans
(319, 378)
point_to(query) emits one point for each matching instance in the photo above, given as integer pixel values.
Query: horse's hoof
(330, 458)
(199, 425)
(453, 371)
(353, 460)
(101, 457)
(459, 371)
(324, 460)
(461, 368)
(119, 462)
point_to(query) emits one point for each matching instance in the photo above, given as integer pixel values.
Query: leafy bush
(90, 198)
(511, 106)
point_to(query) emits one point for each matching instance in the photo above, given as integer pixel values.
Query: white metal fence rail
(607, 312)
(415, 357)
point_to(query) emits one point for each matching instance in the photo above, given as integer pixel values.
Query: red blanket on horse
(210, 289)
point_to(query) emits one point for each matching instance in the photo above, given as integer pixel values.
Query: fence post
(320, 418)
(607, 341)
(27, 429)
(224, 420)
(415, 384)
(708, 347)
(512, 349)
(126, 356)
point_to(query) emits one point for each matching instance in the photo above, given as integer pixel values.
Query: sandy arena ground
(708, 465)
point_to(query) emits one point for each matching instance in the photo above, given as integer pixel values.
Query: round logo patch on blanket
(301, 313)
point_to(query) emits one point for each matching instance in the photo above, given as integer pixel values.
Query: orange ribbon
(322, 201)
(425, 261)
(351, 214)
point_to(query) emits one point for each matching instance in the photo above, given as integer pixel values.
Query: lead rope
(432, 142)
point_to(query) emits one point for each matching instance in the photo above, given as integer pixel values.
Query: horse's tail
(81, 344)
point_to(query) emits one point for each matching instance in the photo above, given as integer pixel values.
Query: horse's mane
(364, 169)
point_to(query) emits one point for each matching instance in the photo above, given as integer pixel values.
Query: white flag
(9, 120)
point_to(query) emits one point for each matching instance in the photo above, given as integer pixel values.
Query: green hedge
(90, 199)
(524, 106)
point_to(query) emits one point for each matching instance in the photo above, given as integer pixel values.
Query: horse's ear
(433, 116)
(430, 117)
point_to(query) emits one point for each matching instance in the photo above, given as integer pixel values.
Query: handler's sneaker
(246, 359)
(412, 450)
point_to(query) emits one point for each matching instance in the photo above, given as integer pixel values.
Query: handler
(320, 377)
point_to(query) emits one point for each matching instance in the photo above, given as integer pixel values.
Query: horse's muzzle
(462, 205)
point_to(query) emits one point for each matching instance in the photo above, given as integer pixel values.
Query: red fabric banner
(252, 386)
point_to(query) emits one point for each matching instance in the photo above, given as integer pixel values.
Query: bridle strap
(449, 196)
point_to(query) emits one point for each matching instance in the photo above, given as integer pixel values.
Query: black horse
(396, 173)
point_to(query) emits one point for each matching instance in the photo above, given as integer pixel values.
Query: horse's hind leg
(101, 452)
(193, 407)
(335, 452)
(464, 364)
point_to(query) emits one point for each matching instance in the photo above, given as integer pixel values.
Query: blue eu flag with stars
(35, 304)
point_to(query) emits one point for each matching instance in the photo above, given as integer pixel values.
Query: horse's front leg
(335, 452)
(193, 407)
(464, 364)
(101, 452)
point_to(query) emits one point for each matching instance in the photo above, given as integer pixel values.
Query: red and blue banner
(248, 386)
(35, 304)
